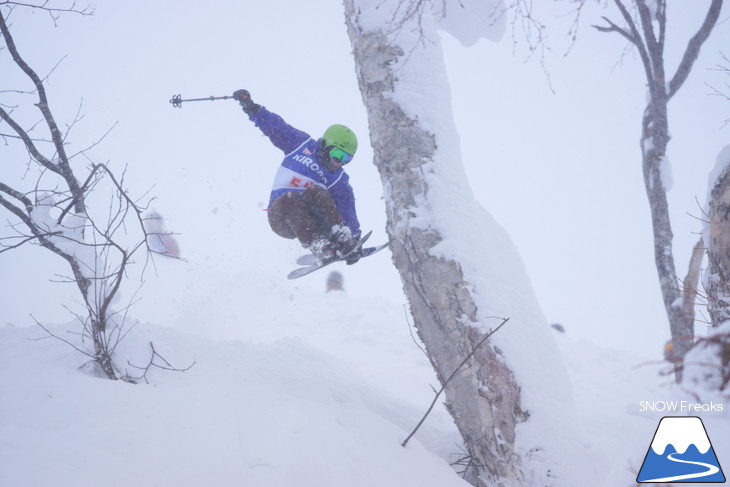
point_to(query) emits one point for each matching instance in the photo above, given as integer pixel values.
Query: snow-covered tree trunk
(485, 397)
(445, 246)
(707, 365)
(717, 238)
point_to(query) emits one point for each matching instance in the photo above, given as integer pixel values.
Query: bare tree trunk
(647, 31)
(654, 141)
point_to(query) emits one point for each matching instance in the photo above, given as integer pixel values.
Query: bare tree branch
(693, 47)
(152, 364)
(88, 10)
(640, 43)
(654, 47)
(67, 342)
(453, 374)
(23, 135)
(615, 28)
(62, 167)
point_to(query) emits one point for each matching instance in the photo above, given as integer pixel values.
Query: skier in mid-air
(311, 199)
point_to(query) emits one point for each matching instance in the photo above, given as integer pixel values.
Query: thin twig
(167, 366)
(453, 374)
(63, 340)
(413, 337)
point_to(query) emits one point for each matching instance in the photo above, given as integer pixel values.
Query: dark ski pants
(305, 215)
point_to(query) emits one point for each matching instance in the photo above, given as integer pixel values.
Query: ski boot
(342, 236)
(343, 239)
(324, 249)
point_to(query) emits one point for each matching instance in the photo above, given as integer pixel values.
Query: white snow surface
(265, 407)
(299, 388)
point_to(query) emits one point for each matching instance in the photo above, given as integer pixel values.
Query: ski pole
(177, 100)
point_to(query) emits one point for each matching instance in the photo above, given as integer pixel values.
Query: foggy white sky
(560, 171)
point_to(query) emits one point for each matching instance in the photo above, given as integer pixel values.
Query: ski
(309, 268)
(310, 259)
(303, 271)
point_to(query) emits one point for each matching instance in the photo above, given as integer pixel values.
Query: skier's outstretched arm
(281, 134)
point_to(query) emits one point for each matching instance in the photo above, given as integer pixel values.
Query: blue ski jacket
(301, 168)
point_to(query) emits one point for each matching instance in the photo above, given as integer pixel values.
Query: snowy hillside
(306, 388)
(311, 389)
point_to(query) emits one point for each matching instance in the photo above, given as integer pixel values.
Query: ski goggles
(341, 156)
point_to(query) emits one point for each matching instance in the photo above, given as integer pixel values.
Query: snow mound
(471, 20)
(320, 393)
(265, 404)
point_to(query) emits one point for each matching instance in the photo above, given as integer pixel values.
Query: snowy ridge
(275, 410)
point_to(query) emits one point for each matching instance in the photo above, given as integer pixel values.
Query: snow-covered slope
(309, 390)
(290, 386)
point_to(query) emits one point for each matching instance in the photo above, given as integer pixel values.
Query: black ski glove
(243, 97)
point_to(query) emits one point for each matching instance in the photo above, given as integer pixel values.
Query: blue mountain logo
(680, 452)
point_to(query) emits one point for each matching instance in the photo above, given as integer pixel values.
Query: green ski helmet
(339, 143)
(341, 137)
